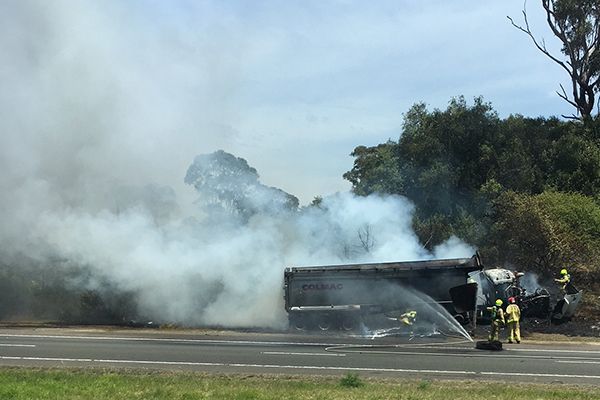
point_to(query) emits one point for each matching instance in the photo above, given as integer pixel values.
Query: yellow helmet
(499, 303)
(563, 272)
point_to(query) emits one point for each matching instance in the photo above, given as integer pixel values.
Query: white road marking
(140, 339)
(329, 346)
(305, 367)
(508, 349)
(469, 354)
(46, 359)
(333, 348)
(578, 362)
(283, 353)
(337, 347)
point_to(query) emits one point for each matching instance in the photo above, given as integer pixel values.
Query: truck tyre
(324, 321)
(299, 322)
(348, 323)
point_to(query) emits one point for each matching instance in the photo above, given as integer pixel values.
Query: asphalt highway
(313, 354)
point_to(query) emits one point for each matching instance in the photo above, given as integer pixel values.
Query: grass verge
(92, 383)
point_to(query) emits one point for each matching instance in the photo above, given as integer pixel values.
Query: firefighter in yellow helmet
(497, 319)
(408, 318)
(565, 278)
(513, 315)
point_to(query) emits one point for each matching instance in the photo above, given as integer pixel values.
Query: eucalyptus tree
(576, 23)
(228, 185)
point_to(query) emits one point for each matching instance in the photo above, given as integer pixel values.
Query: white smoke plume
(100, 121)
(198, 275)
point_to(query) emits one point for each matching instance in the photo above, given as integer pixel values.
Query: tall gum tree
(576, 23)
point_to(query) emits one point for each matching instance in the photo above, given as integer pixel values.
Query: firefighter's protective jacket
(513, 313)
(565, 279)
(497, 315)
(497, 321)
(409, 318)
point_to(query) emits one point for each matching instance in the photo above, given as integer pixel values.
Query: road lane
(520, 363)
(294, 354)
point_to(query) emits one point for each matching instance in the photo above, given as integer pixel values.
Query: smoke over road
(100, 123)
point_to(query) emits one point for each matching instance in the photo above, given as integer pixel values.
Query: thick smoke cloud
(101, 118)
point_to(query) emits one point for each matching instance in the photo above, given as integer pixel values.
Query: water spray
(432, 320)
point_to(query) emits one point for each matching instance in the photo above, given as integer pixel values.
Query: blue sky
(291, 86)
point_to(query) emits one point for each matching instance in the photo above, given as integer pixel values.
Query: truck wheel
(324, 321)
(348, 323)
(299, 322)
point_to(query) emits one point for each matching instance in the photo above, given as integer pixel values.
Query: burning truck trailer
(343, 297)
(500, 283)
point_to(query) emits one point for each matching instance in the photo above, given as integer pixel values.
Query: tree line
(524, 191)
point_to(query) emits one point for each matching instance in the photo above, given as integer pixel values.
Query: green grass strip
(97, 383)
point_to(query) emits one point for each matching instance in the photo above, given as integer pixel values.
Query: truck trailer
(340, 297)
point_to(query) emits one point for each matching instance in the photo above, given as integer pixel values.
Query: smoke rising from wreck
(96, 137)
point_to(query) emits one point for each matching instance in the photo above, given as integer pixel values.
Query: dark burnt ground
(585, 323)
(577, 327)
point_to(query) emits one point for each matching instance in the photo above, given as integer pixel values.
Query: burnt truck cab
(501, 283)
(341, 296)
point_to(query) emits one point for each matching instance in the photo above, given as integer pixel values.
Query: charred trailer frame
(340, 296)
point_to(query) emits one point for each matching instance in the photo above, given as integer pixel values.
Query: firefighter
(565, 279)
(497, 320)
(513, 315)
(408, 318)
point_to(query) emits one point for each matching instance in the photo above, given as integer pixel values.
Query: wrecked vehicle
(343, 296)
(500, 283)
